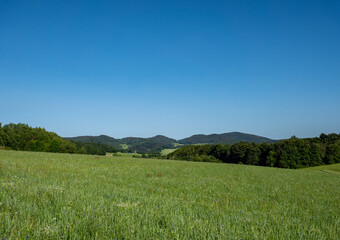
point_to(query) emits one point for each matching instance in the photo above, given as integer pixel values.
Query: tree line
(23, 137)
(289, 153)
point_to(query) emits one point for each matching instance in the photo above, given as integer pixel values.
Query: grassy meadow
(166, 151)
(65, 196)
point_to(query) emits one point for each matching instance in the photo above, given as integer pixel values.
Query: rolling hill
(102, 139)
(159, 142)
(224, 138)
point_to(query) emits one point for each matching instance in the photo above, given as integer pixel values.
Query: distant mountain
(159, 142)
(224, 138)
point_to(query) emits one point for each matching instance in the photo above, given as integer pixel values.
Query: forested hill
(159, 142)
(23, 137)
(102, 139)
(224, 138)
(288, 153)
(142, 145)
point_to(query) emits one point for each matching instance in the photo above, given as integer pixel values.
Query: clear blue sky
(178, 68)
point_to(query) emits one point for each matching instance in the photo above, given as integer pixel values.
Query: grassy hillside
(64, 196)
(165, 152)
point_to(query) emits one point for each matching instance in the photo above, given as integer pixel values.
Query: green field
(166, 151)
(64, 196)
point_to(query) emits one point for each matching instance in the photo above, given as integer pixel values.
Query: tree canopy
(289, 153)
(23, 137)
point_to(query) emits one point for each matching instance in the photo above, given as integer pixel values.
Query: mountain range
(159, 142)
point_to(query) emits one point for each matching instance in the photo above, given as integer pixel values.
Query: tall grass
(63, 196)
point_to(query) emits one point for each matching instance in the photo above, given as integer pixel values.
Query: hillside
(152, 144)
(102, 139)
(159, 142)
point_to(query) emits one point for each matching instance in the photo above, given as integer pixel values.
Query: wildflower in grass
(26, 237)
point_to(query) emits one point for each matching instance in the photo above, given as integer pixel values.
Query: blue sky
(177, 68)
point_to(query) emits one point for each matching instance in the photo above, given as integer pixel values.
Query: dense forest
(23, 137)
(290, 153)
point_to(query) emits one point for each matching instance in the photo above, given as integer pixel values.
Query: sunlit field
(165, 152)
(64, 196)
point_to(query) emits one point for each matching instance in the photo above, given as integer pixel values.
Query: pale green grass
(120, 154)
(334, 168)
(63, 196)
(166, 151)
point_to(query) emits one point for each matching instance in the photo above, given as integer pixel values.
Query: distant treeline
(23, 137)
(290, 153)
